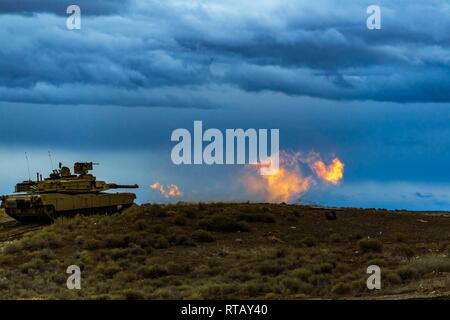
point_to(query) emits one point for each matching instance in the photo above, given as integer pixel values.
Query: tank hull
(47, 207)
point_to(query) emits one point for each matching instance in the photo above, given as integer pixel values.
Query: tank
(65, 194)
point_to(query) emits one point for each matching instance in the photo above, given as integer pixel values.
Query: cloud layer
(58, 7)
(152, 53)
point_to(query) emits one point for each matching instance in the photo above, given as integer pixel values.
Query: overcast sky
(114, 91)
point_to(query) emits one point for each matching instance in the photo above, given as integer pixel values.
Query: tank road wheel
(49, 212)
(123, 207)
(21, 219)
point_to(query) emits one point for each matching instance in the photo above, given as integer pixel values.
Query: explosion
(281, 186)
(172, 190)
(289, 182)
(332, 173)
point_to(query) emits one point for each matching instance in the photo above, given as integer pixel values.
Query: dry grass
(239, 251)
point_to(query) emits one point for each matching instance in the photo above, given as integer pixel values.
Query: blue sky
(114, 91)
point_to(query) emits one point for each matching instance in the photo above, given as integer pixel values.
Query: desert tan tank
(65, 194)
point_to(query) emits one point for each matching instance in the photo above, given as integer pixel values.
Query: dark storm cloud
(58, 7)
(152, 53)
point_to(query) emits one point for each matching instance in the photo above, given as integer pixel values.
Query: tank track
(48, 214)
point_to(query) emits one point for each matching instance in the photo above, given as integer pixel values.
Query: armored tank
(65, 194)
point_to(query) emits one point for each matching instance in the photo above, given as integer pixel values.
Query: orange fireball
(332, 173)
(283, 185)
(288, 183)
(172, 190)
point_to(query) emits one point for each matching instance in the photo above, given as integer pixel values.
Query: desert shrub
(103, 296)
(306, 288)
(217, 291)
(202, 236)
(160, 211)
(432, 264)
(136, 250)
(178, 268)
(343, 268)
(399, 237)
(13, 248)
(270, 268)
(377, 261)
(325, 267)
(140, 224)
(157, 228)
(225, 224)
(341, 288)
(359, 285)
(257, 217)
(92, 244)
(335, 237)
(118, 253)
(241, 275)
(108, 270)
(159, 242)
(407, 273)
(277, 253)
(318, 280)
(190, 213)
(39, 242)
(124, 277)
(355, 237)
(152, 272)
(45, 254)
(32, 266)
(180, 221)
(302, 273)
(79, 240)
(6, 259)
(115, 241)
(132, 294)
(309, 241)
(370, 245)
(291, 284)
(393, 278)
(252, 289)
(447, 249)
(181, 240)
(4, 284)
(403, 251)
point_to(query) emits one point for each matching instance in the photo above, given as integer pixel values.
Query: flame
(332, 173)
(288, 182)
(172, 190)
(282, 185)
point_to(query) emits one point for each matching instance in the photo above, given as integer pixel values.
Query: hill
(229, 250)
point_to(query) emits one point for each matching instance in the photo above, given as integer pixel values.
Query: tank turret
(65, 193)
(63, 181)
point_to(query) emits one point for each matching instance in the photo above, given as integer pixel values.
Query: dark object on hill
(331, 215)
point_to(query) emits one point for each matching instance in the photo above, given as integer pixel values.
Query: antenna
(51, 160)
(28, 166)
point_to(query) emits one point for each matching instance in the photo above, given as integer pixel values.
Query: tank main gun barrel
(122, 186)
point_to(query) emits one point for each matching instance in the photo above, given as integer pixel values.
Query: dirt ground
(229, 250)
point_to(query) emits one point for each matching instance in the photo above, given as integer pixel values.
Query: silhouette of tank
(65, 194)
